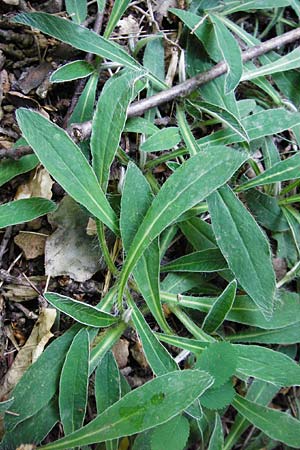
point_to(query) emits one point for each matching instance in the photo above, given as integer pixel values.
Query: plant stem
(104, 248)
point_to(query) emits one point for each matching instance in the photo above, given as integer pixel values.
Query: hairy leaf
(244, 246)
(154, 403)
(65, 162)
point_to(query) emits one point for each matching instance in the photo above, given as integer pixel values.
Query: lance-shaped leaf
(107, 388)
(77, 10)
(136, 199)
(263, 123)
(111, 109)
(244, 246)
(284, 336)
(10, 168)
(115, 15)
(73, 385)
(287, 62)
(198, 233)
(44, 373)
(259, 392)
(189, 184)
(65, 162)
(244, 310)
(158, 357)
(24, 210)
(34, 429)
(72, 71)
(161, 140)
(282, 171)
(220, 309)
(77, 36)
(267, 365)
(85, 105)
(246, 5)
(147, 406)
(230, 51)
(209, 260)
(83, 313)
(275, 424)
(224, 116)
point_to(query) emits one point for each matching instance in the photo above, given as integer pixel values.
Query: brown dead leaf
(28, 354)
(26, 447)
(33, 77)
(121, 352)
(32, 244)
(39, 185)
(91, 229)
(139, 355)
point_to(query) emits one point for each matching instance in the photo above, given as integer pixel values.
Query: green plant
(232, 252)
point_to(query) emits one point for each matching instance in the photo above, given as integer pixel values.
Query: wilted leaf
(28, 354)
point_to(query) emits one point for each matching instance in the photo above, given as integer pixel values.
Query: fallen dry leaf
(29, 353)
(69, 250)
(32, 244)
(139, 355)
(39, 185)
(121, 352)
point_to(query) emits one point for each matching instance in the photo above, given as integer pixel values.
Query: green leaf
(72, 71)
(107, 383)
(209, 260)
(198, 233)
(275, 424)
(115, 15)
(112, 105)
(284, 336)
(73, 384)
(244, 246)
(85, 105)
(107, 388)
(34, 429)
(77, 36)
(216, 441)
(260, 392)
(10, 168)
(136, 199)
(158, 357)
(77, 10)
(163, 139)
(186, 133)
(154, 403)
(266, 210)
(287, 169)
(287, 62)
(172, 435)
(267, 365)
(286, 308)
(82, 312)
(187, 186)
(220, 309)
(24, 210)
(225, 116)
(230, 51)
(65, 162)
(106, 342)
(220, 359)
(140, 125)
(219, 397)
(263, 123)
(248, 5)
(44, 373)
